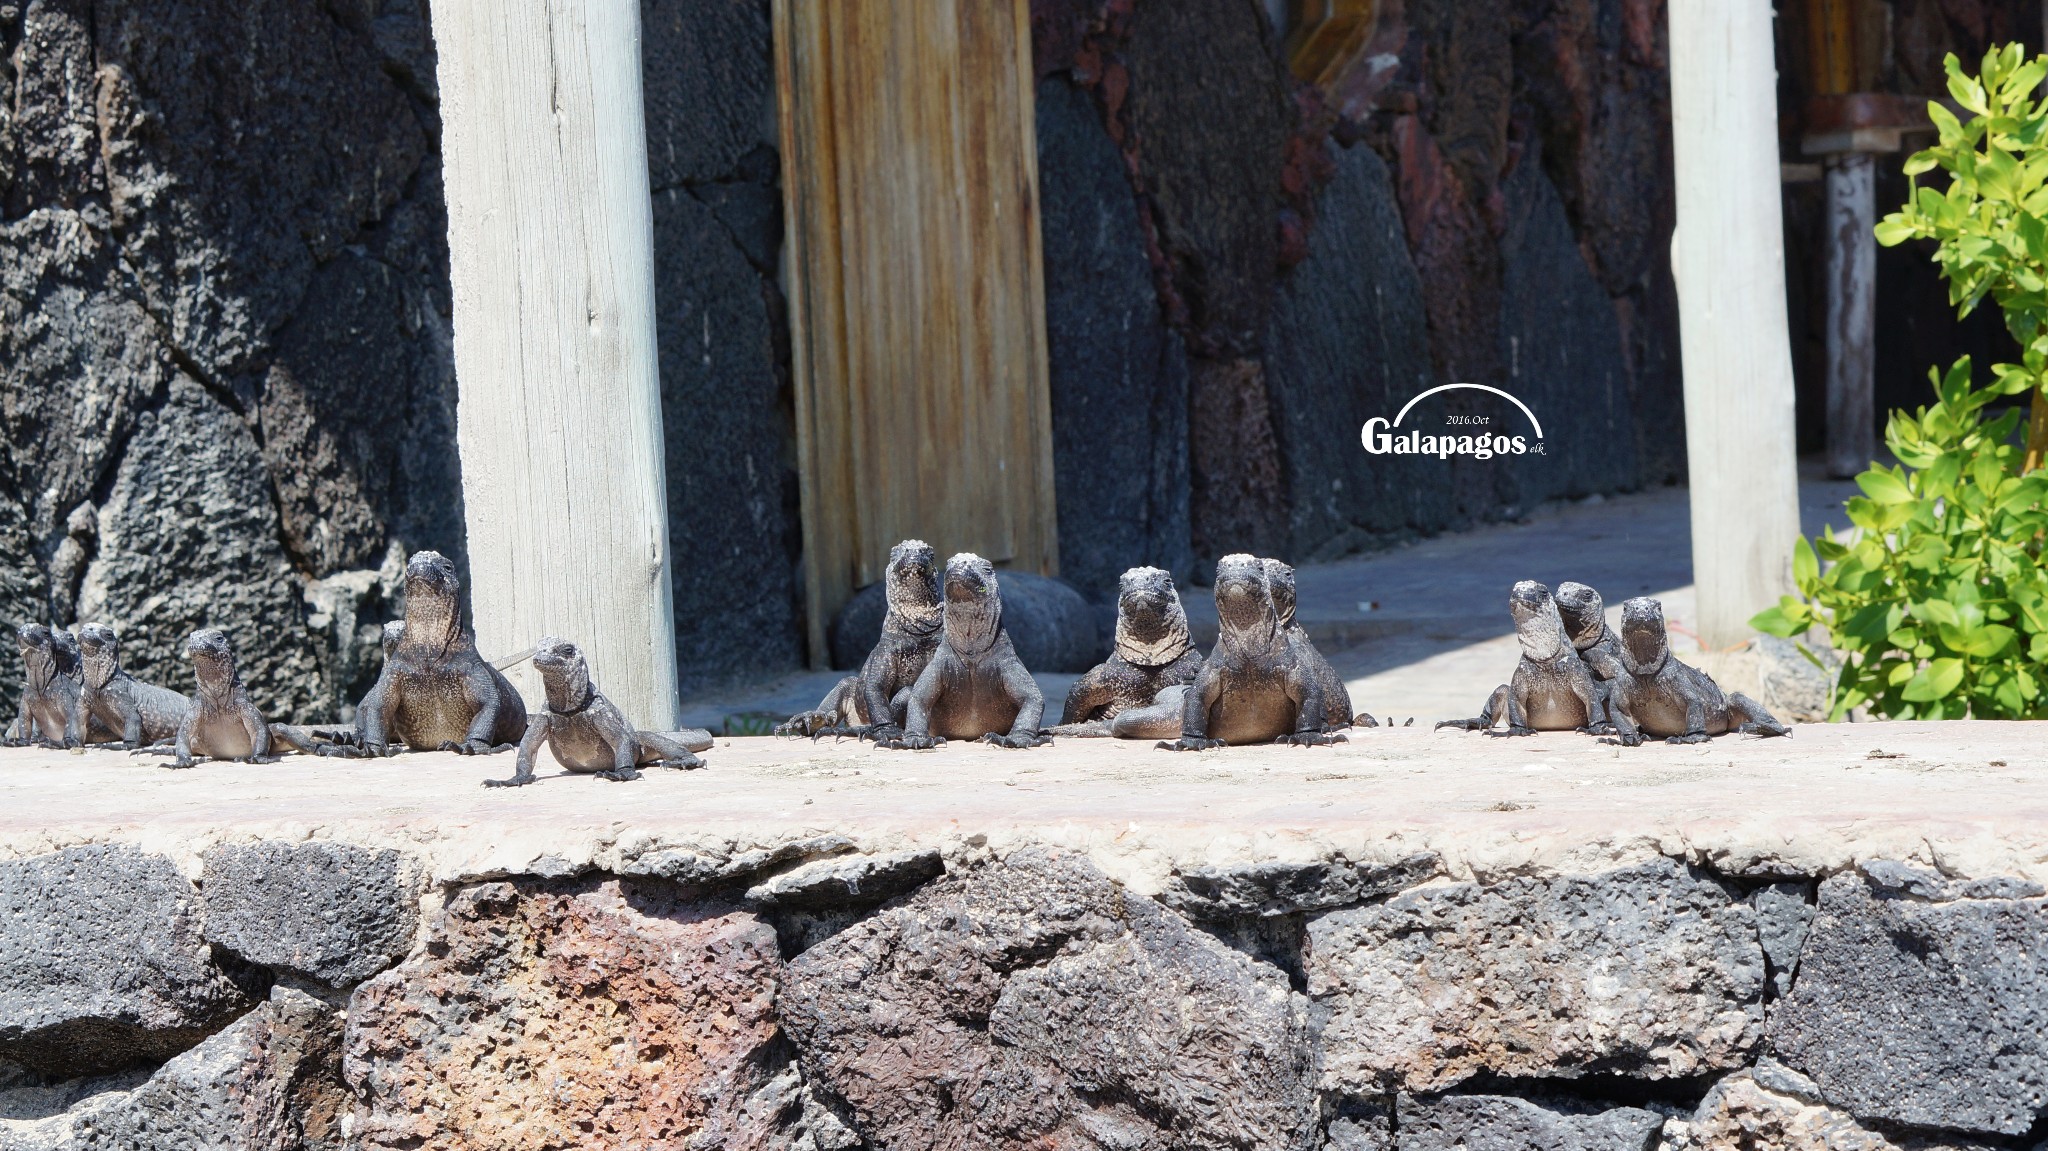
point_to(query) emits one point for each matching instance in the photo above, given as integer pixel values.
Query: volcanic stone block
(270, 1081)
(1506, 1123)
(1928, 1009)
(1118, 376)
(1651, 971)
(849, 880)
(102, 962)
(328, 911)
(1741, 1113)
(709, 85)
(545, 1016)
(1277, 888)
(1782, 918)
(1034, 1003)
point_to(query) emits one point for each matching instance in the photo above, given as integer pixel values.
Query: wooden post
(551, 253)
(1852, 313)
(1728, 256)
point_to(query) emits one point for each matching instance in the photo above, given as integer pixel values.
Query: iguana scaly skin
(975, 687)
(587, 732)
(223, 723)
(1585, 621)
(1336, 697)
(315, 740)
(871, 702)
(436, 692)
(136, 713)
(1658, 696)
(1153, 652)
(49, 689)
(1255, 687)
(1551, 689)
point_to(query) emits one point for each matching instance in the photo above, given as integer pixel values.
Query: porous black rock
(332, 912)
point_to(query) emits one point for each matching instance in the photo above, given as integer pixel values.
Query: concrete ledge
(1416, 939)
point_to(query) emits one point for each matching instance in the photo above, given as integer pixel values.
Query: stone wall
(804, 993)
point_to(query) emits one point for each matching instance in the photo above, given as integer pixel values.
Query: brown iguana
(1551, 689)
(1153, 652)
(587, 732)
(49, 688)
(135, 713)
(1255, 687)
(223, 723)
(975, 687)
(871, 702)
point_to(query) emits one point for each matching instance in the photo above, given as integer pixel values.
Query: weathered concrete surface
(1651, 970)
(1972, 797)
(1036, 1003)
(102, 965)
(654, 1023)
(1922, 1000)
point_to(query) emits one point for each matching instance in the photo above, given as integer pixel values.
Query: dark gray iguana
(1551, 690)
(1585, 621)
(1255, 686)
(436, 692)
(586, 732)
(136, 713)
(1656, 695)
(1153, 652)
(319, 740)
(975, 687)
(1336, 697)
(49, 689)
(871, 702)
(222, 723)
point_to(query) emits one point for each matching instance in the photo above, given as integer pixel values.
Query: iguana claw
(1033, 739)
(1189, 743)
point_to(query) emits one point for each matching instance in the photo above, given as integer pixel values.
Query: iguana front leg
(1030, 700)
(376, 719)
(1089, 693)
(1695, 722)
(1593, 697)
(181, 748)
(483, 692)
(924, 695)
(1307, 696)
(522, 772)
(259, 733)
(1626, 732)
(1496, 704)
(829, 714)
(1194, 716)
(1518, 712)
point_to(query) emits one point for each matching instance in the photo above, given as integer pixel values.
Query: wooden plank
(552, 269)
(917, 293)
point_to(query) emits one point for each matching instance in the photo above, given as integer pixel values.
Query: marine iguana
(587, 732)
(1657, 695)
(316, 740)
(1551, 690)
(1585, 621)
(134, 713)
(222, 723)
(1255, 686)
(435, 691)
(49, 689)
(974, 686)
(870, 702)
(1153, 652)
(1336, 697)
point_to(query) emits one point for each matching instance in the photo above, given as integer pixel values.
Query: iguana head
(394, 630)
(974, 604)
(1583, 613)
(99, 652)
(38, 654)
(1151, 626)
(1537, 625)
(433, 607)
(1645, 645)
(1244, 602)
(213, 660)
(1280, 585)
(912, 586)
(564, 673)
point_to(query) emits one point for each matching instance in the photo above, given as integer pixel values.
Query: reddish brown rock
(591, 1015)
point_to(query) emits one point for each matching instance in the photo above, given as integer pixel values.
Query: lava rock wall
(808, 995)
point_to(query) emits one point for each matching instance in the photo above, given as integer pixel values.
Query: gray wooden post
(551, 255)
(1852, 313)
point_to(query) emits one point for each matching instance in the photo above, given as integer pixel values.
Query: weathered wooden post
(1728, 256)
(551, 256)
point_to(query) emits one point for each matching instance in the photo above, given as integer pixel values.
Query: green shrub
(1939, 605)
(1938, 602)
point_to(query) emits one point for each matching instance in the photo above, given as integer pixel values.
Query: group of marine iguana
(943, 669)
(435, 692)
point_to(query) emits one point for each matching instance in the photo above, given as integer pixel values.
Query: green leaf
(1805, 565)
(1884, 487)
(1933, 682)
